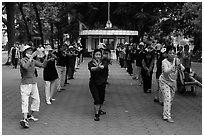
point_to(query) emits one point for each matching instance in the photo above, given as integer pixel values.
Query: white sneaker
(48, 102)
(52, 99)
(31, 117)
(24, 123)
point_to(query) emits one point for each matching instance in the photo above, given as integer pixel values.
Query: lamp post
(108, 24)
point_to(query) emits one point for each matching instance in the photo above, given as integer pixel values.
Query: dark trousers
(97, 92)
(129, 67)
(71, 71)
(147, 81)
(66, 75)
(14, 62)
(187, 70)
(121, 60)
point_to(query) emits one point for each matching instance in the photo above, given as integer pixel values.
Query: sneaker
(96, 117)
(48, 103)
(24, 123)
(101, 112)
(52, 99)
(31, 117)
(161, 103)
(149, 91)
(156, 100)
(170, 120)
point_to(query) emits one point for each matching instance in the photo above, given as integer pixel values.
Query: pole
(108, 10)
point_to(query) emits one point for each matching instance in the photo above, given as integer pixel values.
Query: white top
(169, 71)
(40, 52)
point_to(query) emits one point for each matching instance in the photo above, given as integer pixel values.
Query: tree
(11, 11)
(191, 22)
(39, 22)
(20, 5)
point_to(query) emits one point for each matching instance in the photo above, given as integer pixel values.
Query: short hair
(97, 50)
(170, 48)
(186, 46)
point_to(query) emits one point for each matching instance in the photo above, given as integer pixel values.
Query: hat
(126, 43)
(163, 50)
(71, 47)
(48, 47)
(26, 47)
(141, 43)
(158, 46)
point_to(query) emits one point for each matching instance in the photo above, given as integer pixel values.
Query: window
(109, 43)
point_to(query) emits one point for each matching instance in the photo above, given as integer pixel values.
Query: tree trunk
(39, 23)
(20, 5)
(197, 42)
(51, 37)
(11, 11)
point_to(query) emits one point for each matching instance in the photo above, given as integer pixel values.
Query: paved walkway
(129, 110)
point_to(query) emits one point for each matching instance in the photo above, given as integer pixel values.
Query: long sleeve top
(27, 70)
(14, 52)
(169, 72)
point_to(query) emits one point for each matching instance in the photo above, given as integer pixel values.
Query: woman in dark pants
(97, 83)
(147, 71)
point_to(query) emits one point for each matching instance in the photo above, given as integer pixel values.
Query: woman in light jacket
(167, 81)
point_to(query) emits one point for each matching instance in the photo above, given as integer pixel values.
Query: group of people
(140, 61)
(58, 66)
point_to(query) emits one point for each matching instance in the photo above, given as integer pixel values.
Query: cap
(71, 47)
(141, 43)
(26, 47)
(126, 43)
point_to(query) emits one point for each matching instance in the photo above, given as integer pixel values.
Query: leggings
(168, 95)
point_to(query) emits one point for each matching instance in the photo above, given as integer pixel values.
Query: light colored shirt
(169, 71)
(40, 52)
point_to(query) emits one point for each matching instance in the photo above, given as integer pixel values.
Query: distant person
(168, 81)
(121, 55)
(28, 86)
(134, 54)
(117, 52)
(180, 52)
(61, 67)
(97, 83)
(147, 71)
(72, 61)
(129, 59)
(139, 56)
(41, 54)
(186, 59)
(50, 75)
(14, 55)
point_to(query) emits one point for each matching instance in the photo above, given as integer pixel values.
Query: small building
(110, 37)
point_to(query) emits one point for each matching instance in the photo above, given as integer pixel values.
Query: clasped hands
(98, 64)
